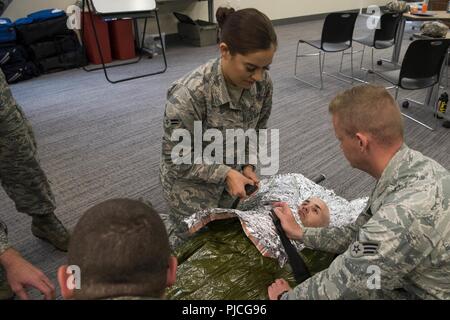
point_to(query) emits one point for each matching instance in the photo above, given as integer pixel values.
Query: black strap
(249, 190)
(299, 268)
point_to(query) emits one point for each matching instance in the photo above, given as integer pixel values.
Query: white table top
(123, 6)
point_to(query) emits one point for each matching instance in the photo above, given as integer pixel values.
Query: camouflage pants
(187, 198)
(20, 172)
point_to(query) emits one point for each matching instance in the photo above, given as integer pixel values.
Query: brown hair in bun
(245, 31)
(222, 14)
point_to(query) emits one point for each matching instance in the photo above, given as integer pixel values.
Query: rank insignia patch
(359, 249)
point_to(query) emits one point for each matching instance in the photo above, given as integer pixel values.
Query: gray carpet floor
(99, 141)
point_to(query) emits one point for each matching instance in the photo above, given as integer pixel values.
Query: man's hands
(236, 183)
(21, 274)
(277, 288)
(288, 223)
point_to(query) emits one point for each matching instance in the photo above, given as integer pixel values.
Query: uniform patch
(359, 249)
(172, 122)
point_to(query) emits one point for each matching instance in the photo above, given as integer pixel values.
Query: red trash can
(103, 38)
(122, 39)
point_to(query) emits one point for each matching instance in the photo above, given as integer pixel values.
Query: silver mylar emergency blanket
(255, 218)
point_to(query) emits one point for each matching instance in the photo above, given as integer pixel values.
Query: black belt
(249, 190)
(299, 268)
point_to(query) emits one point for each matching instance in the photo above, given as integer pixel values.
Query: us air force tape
(359, 249)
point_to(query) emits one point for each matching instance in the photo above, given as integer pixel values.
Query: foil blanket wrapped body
(255, 218)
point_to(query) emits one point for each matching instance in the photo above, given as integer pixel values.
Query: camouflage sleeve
(387, 249)
(4, 245)
(336, 239)
(181, 112)
(266, 109)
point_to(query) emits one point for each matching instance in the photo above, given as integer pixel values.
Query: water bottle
(442, 104)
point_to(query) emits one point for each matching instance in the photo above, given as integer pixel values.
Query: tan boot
(50, 229)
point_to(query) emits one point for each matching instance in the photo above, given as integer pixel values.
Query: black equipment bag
(13, 55)
(68, 60)
(20, 71)
(7, 31)
(59, 45)
(41, 31)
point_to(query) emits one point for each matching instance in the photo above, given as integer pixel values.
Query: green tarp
(220, 263)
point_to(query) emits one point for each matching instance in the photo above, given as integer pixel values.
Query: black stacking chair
(421, 68)
(382, 38)
(337, 33)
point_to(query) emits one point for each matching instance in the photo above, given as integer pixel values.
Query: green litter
(221, 263)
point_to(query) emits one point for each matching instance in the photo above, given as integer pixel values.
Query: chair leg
(296, 59)
(446, 68)
(436, 109)
(299, 55)
(373, 65)
(322, 67)
(351, 64)
(352, 76)
(396, 93)
(431, 99)
(362, 56)
(342, 60)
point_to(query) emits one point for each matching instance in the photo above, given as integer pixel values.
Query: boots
(50, 229)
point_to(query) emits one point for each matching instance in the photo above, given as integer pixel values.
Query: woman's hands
(236, 183)
(250, 173)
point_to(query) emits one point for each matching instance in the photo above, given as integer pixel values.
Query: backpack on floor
(13, 55)
(46, 14)
(55, 47)
(20, 71)
(68, 60)
(7, 31)
(29, 33)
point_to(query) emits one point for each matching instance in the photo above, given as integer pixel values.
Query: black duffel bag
(60, 44)
(68, 60)
(42, 31)
(20, 71)
(13, 55)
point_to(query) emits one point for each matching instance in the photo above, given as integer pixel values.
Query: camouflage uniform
(404, 231)
(203, 96)
(20, 173)
(434, 29)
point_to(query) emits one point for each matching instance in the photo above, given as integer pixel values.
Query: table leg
(398, 42)
(211, 10)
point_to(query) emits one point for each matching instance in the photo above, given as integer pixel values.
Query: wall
(279, 9)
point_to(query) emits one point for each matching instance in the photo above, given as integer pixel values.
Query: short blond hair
(370, 109)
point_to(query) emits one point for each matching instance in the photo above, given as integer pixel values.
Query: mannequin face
(314, 213)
